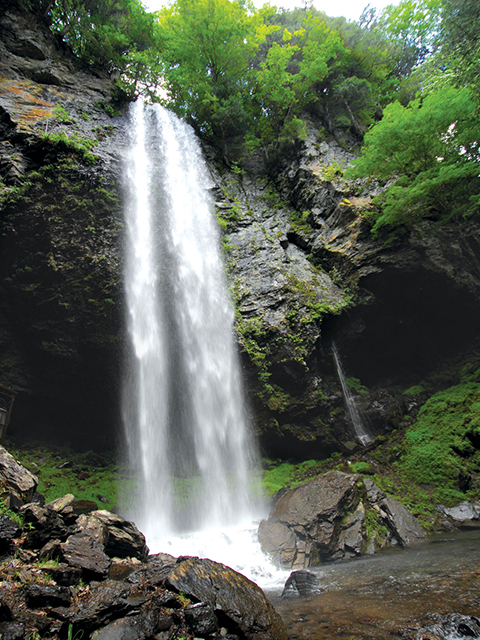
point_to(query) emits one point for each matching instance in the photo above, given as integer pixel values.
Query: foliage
(101, 33)
(460, 37)
(430, 148)
(279, 475)
(207, 47)
(14, 517)
(73, 142)
(443, 444)
(355, 385)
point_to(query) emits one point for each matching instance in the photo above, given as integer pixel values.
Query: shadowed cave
(416, 320)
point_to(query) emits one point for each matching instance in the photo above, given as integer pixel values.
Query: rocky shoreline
(66, 574)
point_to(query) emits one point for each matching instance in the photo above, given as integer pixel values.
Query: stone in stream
(452, 626)
(301, 583)
(324, 519)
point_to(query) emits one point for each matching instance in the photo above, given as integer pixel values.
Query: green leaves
(431, 149)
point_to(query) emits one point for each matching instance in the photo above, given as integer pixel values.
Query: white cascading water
(354, 414)
(187, 437)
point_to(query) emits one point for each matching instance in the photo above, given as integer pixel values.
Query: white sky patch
(350, 9)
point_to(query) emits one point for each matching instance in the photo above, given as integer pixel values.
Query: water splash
(358, 424)
(188, 441)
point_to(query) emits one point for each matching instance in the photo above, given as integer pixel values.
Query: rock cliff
(304, 269)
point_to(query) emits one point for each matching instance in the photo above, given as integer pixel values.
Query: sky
(350, 9)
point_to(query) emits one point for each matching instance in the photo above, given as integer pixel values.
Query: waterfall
(353, 413)
(187, 438)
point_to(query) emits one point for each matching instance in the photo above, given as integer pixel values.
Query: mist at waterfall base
(188, 443)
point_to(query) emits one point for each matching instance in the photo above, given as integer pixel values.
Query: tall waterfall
(186, 432)
(358, 424)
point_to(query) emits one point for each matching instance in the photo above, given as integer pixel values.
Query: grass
(89, 476)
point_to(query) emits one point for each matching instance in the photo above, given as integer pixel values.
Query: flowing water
(356, 419)
(390, 595)
(188, 441)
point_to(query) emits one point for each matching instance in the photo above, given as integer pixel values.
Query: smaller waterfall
(353, 413)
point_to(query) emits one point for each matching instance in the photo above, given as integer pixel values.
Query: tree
(101, 32)
(431, 149)
(207, 47)
(461, 40)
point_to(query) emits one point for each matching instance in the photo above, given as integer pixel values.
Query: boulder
(12, 631)
(17, 484)
(132, 628)
(306, 525)
(405, 527)
(325, 519)
(46, 524)
(446, 627)
(301, 583)
(124, 540)
(82, 550)
(241, 601)
(60, 504)
(463, 512)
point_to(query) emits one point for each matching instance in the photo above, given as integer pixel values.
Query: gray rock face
(16, 483)
(325, 519)
(463, 512)
(124, 540)
(405, 527)
(83, 551)
(72, 248)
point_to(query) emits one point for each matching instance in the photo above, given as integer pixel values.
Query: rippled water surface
(389, 595)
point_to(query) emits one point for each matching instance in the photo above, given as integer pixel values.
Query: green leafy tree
(461, 40)
(100, 32)
(292, 77)
(207, 47)
(431, 150)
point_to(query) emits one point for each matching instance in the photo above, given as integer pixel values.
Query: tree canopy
(406, 81)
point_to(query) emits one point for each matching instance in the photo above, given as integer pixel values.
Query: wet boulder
(301, 583)
(313, 512)
(325, 518)
(45, 595)
(445, 627)
(241, 604)
(124, 540)
(12, 631)
(44, 524)
(83, 551)
(131, 628)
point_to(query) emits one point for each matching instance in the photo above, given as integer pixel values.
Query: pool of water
(391, 595)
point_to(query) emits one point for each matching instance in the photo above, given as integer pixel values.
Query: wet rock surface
(81, 588)
(446, 627)
(326, 519)
(60, 170)
(301, 583)
(63, 573)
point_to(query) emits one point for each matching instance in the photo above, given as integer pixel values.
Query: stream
(393, 594)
